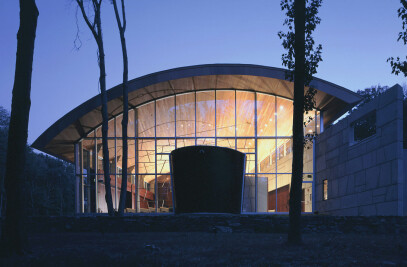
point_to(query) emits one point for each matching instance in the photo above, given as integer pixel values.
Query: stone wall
(405, 182)
(364, 177)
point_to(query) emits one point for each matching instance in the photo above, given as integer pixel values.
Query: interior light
(275, 113)
(261, 130)
(209, 124)
(281, 107)
(266, 124)
(270, 119)
(310, 131)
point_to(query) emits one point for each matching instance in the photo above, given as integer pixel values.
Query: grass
(211, 249)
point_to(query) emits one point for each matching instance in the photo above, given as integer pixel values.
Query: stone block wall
(365, 177)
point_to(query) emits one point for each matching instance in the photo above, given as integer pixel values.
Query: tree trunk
(103, 94)
(125, 119)
(294, 234)
(12, 233)
(96, 29)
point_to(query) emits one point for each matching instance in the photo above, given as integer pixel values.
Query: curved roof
(59, 139)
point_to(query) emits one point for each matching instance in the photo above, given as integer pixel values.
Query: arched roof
(59, 139)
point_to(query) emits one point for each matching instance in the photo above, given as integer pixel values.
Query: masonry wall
(365, 177)
(405, 179)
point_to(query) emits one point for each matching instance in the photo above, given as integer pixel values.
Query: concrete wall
(405, 179)
(365, 177)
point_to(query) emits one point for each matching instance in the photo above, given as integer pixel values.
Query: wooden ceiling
(59, 139)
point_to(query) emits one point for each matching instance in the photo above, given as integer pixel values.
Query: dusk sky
(357, 37)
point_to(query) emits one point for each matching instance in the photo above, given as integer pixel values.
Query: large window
(364, 127)
(257, 124)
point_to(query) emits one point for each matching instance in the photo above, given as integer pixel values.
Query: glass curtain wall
(257, 124)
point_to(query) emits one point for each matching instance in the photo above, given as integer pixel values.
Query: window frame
(352, 127)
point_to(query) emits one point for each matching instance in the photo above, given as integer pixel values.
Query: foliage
(4, 117)
(48, 184)
(313, 53)
(368, 94)
(302, 60)
(397, 65)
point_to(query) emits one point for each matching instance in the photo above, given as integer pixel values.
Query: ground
(211, 249)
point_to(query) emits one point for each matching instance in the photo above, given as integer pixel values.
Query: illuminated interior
(257, 124)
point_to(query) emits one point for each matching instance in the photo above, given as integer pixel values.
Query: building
(361, 162)
(243, 107)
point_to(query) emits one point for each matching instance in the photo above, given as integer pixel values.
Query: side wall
(366, 177)
(405, 179)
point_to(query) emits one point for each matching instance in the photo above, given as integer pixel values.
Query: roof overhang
(59, 139)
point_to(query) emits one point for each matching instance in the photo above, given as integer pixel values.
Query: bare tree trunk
(125, 121)
(1, 205)
(12, 237)
(96, 29)
(32, 197)
(294, 234)
(105, 118)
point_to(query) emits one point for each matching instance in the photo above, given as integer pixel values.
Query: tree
(4, 122)
(302, 60)
(397, 65)
(368, 94)
(48, 184)
(12, 238)
(96, 28)
(4, 117)
(122, 28)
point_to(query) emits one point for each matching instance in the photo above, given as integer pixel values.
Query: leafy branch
(397, 65)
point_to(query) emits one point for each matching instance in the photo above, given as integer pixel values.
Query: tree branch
(124, 16)
(85, 17)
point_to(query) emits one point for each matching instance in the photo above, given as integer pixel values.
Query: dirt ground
(211, 249)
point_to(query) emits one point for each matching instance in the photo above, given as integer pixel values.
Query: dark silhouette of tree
(122, 28)
(4, 122)
(96, 28)
(12, 236)
(48, 184)
(302, 60)
(397, 65)
(368, 94)
(4, 117)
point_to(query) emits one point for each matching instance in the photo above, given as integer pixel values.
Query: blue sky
(357, 37)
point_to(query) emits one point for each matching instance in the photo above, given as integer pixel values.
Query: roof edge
(185, 72)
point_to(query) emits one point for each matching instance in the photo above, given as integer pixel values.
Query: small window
(364, 127)
(325, 190)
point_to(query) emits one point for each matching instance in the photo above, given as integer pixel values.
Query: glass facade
(257, 124)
